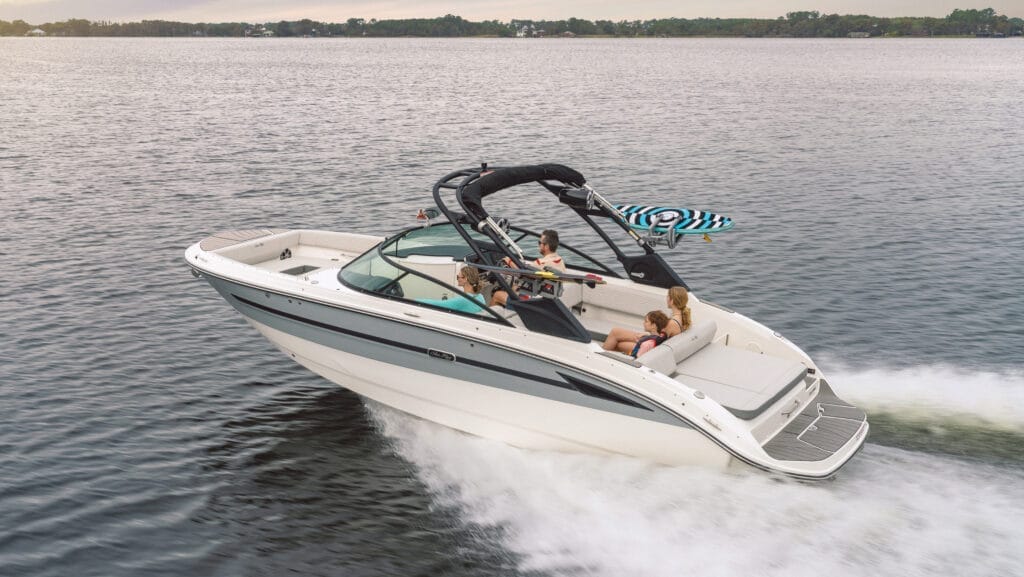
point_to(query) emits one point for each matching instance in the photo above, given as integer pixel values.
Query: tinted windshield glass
(438, 240)
(371, 272)
(419, 266)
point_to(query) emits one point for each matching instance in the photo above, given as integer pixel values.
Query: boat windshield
(443, 240)
(418, 265)
(421, 265)
(437, 240)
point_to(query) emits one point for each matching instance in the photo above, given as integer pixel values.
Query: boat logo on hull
(443, 355)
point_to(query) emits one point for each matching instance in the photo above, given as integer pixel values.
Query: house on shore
(259, 31)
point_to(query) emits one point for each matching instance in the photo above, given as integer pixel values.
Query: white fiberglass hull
(514, 418)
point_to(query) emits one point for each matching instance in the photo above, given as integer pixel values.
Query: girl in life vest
(654, 323)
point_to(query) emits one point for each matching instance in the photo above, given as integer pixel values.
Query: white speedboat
(370, 313)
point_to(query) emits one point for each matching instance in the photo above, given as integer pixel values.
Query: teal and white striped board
(689, 221)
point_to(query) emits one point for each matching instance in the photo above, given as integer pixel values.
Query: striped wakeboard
(640, 218)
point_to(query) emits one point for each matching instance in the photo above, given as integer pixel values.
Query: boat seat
(622, 299)
(442, 268)
(744, 382)
(572, 294)
(343, 242)
(692, 340)
(660, 359)
(666, 357)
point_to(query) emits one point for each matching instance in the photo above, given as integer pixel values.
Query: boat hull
(467, 384)
(514, 418)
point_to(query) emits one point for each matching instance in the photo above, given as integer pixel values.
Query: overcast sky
(41, 11)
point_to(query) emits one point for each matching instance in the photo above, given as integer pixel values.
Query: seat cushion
(664, 357)
(691, 340)
(660, 358)
(742, 381)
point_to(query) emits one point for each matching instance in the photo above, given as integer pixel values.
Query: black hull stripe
(401, 345)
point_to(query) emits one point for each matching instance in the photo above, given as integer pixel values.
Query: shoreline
(802, 24)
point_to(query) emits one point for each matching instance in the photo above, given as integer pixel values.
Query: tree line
(806, 24)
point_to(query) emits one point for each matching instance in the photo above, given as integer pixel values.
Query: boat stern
(819, 440)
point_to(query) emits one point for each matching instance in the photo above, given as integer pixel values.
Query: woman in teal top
(469, 281)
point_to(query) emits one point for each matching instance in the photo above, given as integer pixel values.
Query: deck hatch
(301, 269)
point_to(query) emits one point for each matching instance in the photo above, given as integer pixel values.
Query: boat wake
(975, 415)
(891, 511)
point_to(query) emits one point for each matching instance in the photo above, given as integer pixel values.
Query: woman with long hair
(623, 339)
(469, 281)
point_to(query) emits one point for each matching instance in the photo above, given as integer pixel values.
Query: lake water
(147, 430)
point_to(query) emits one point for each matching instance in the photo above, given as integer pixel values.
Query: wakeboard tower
(648, 226)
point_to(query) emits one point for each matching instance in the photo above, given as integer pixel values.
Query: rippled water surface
(148, 430)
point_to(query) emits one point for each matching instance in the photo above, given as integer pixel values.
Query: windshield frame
(387, 290)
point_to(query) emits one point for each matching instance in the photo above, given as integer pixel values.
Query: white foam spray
(941, 392)
(890, 512)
